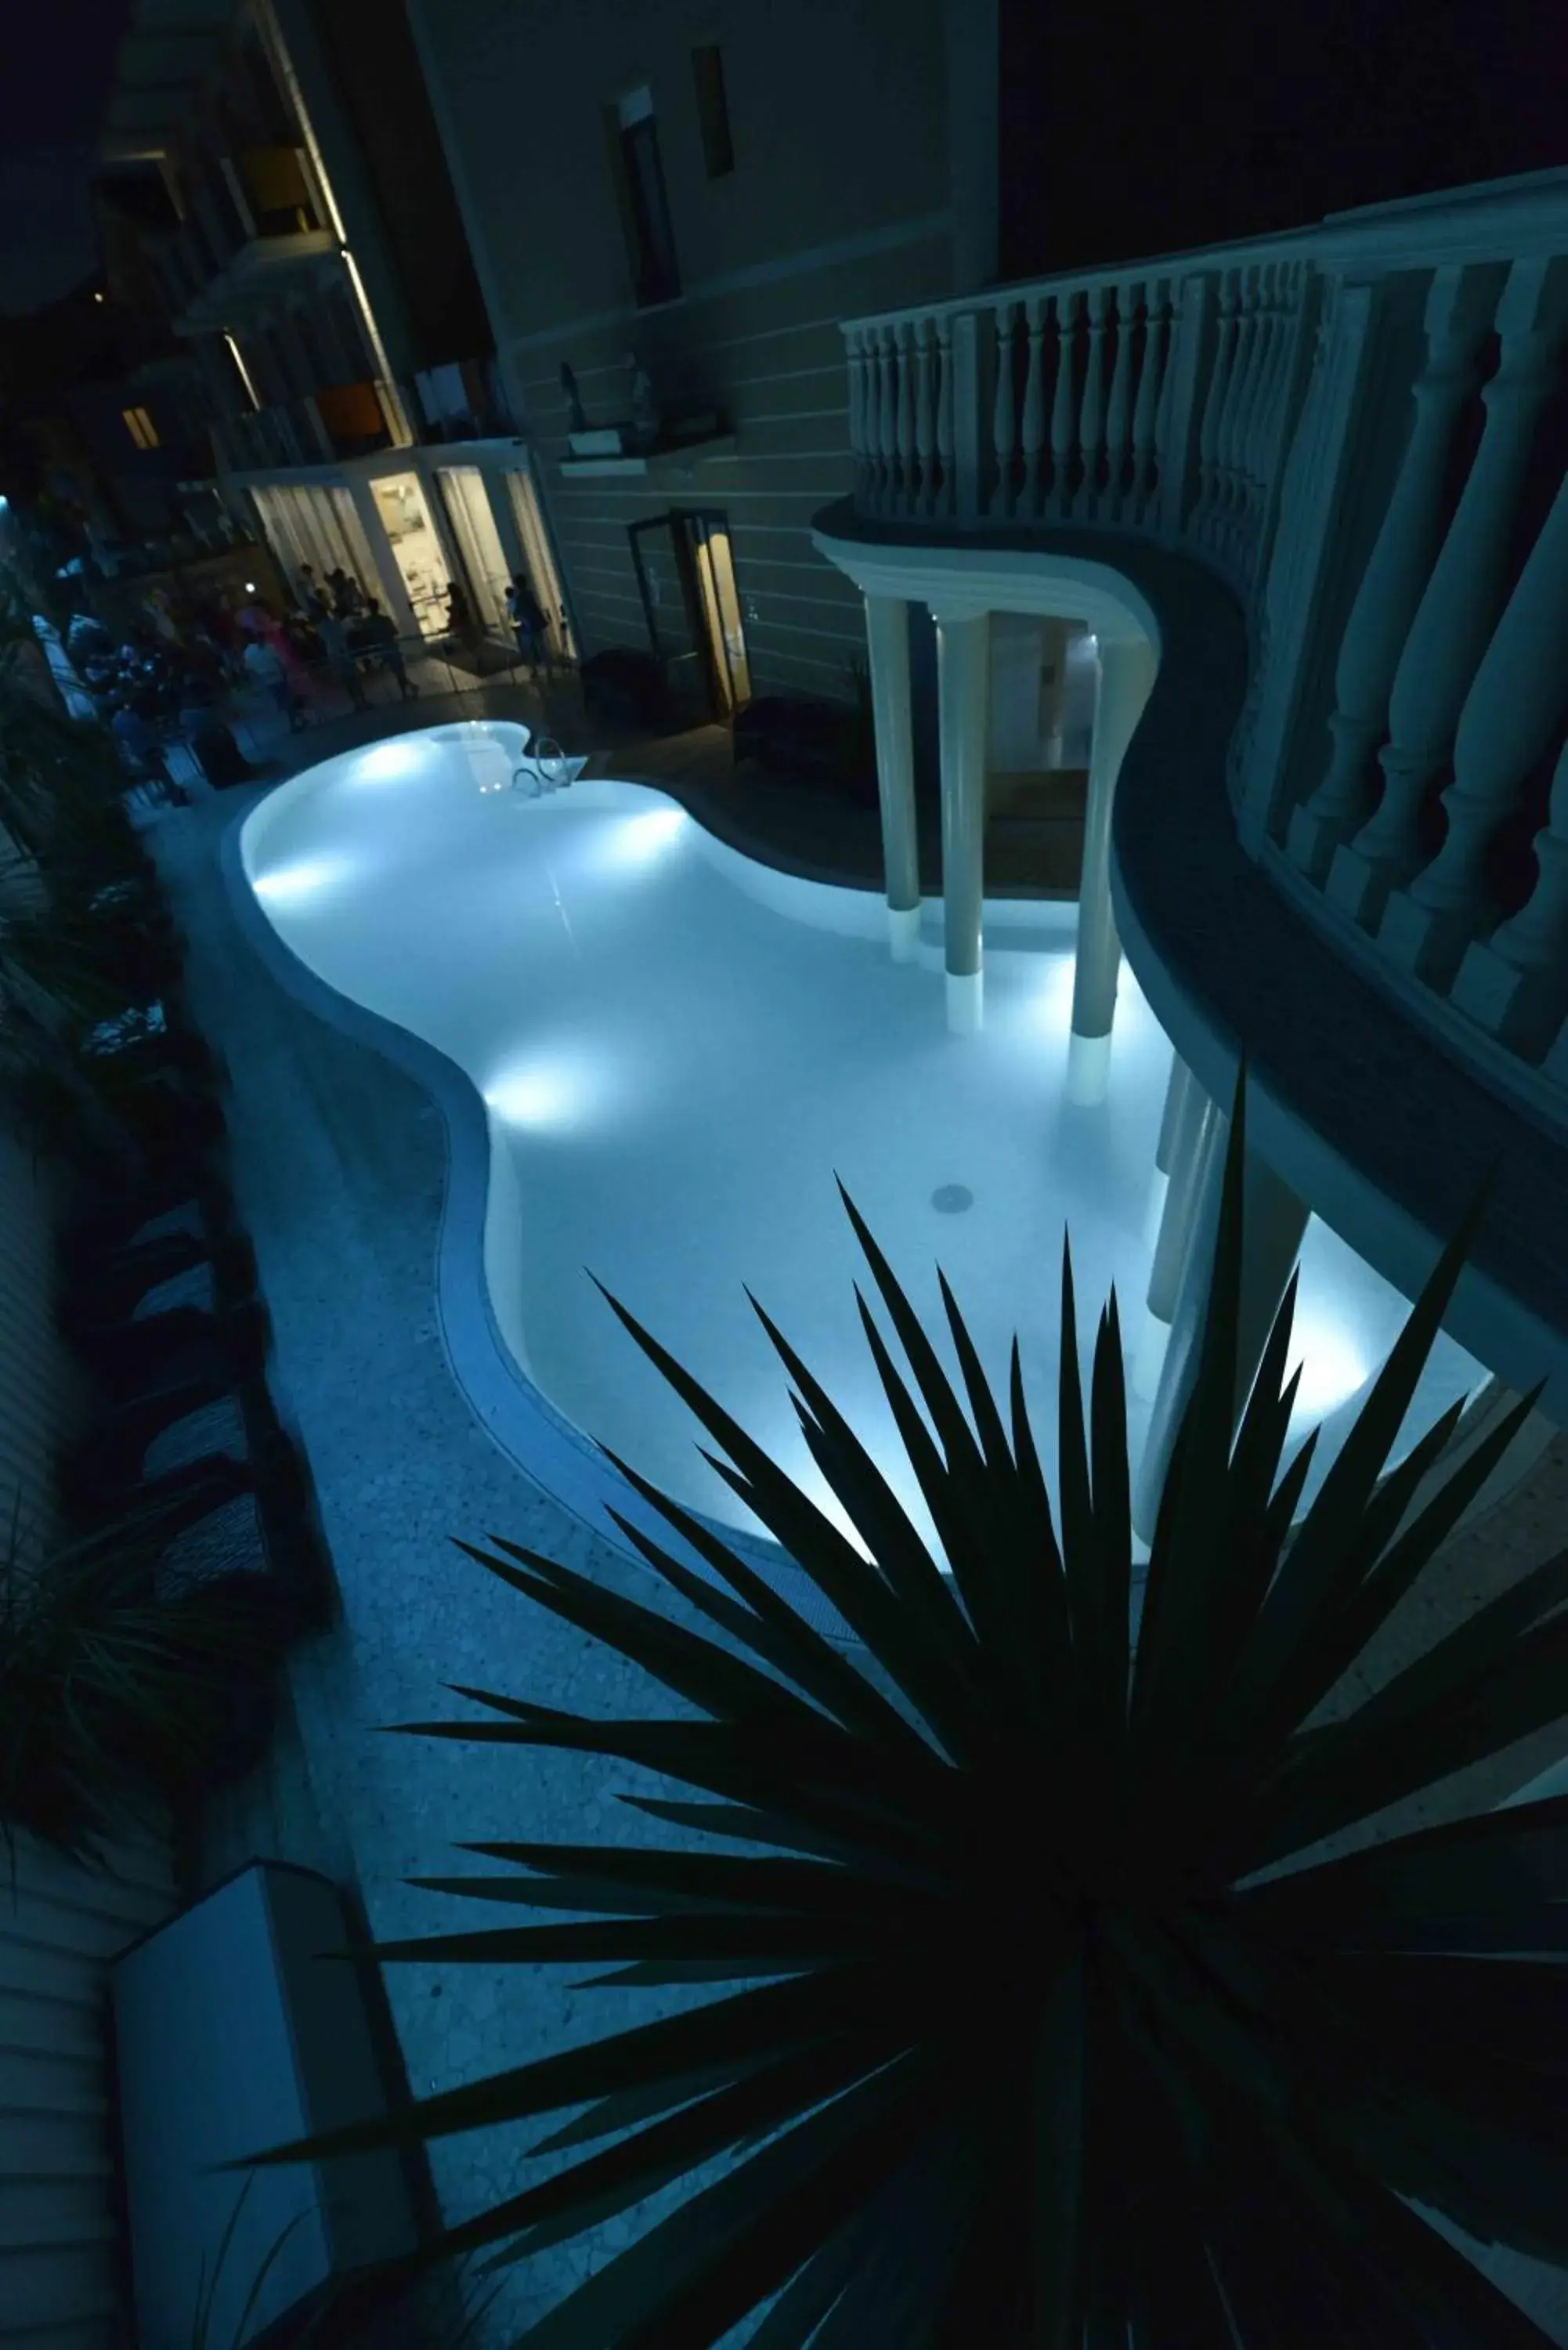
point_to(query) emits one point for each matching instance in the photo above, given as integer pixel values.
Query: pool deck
(338, 1167)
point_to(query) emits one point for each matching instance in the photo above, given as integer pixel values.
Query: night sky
(59, 55)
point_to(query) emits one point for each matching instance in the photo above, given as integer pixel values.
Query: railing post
(1459, 606)
(1515, 983)
(1459, 305)
(1178, 447)
(1323, 479)
(966, 414)
(1511, 713)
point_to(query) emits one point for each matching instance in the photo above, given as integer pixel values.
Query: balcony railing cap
(1490, 220)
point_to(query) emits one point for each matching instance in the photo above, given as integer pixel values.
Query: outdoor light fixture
(1331, 1366)
(636, 841)
(545, 1095)
(250, 586)
(98, 297)
(388, 760)
(287, 884)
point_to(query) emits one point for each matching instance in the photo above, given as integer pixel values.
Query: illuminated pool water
(678, 1049)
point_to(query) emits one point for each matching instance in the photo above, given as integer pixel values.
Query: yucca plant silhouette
(1038, 2020)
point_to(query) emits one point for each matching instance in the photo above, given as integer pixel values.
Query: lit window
(140, 427)
(712, 111)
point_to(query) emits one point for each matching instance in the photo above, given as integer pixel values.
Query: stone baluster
(1460, 307)
(1512, 711)
(1033, 431)
(1238, 415)
(904, 362)
(1263, 391)
(887, 419)
(1213, 409)
(1515, 983)
(873, 420)
(1455, 620)
(1117, 412)
(1150, 388)
(855, 355)
(1064, 404)
(1171, 457)
(1227, 439)
(1092, 416)
(924, 501)
(944, 500)
(1004, 421)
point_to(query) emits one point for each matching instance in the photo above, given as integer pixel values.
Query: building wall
(838, 202)
(60, 2277)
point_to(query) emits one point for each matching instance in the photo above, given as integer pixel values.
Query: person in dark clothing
(378, 633)
(334, 635)
(140, 748)
(528, 622)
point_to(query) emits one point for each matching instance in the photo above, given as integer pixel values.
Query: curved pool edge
(520, 1420)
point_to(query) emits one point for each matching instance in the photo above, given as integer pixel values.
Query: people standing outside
(334, 635)
(265, 667)
(140, 749)
(378, 631)
(526, 615)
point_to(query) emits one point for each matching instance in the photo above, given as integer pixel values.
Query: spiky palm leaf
(1025, 2046)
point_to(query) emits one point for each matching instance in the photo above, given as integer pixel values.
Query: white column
(1126, 673)
(964, 679)
(1176, 1091)
(888, 643)
(1199, 1130)
(1273, 1221)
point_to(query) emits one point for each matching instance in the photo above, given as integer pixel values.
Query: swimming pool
(677, 1049)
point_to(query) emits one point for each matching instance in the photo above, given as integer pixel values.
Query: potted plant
(115, 1703)
(1037, 2016)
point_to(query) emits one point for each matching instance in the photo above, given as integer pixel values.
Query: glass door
(416, 548)
(479, 543)
(543, 577)
(707, 538)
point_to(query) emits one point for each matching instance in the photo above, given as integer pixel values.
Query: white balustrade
(1033, 430)
(1247, 407)
(1091, 420)
(925, 419)
(1512, 716)
(1460, 608)
(944, 502)
(1214, 409)
(888, 420)
(903, 361)
(1151, 383)
(1004, 424)
(860, 444)
(1063, 409)
(1515, 983)
(1231, 440)
(1118, 415)
(1460, 307)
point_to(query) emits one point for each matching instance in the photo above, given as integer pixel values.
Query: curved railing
(1362, 428)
